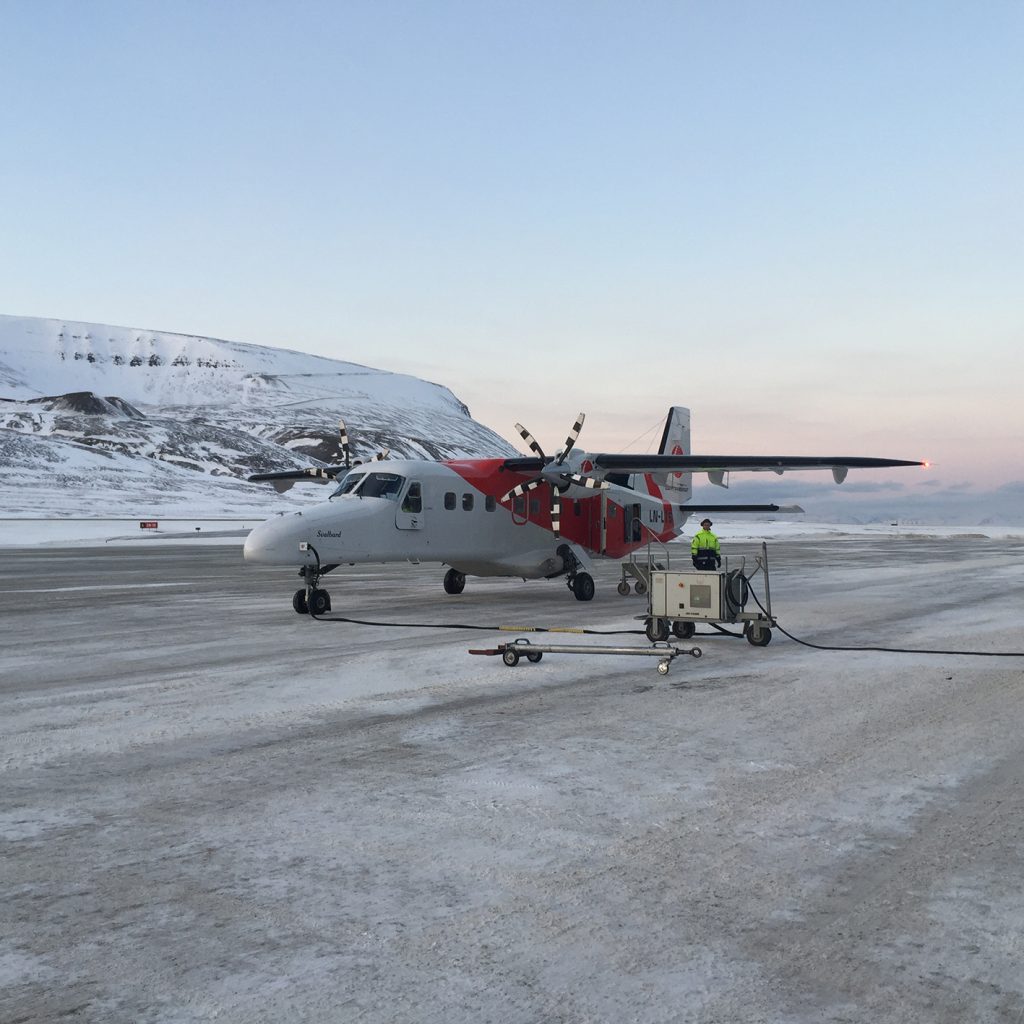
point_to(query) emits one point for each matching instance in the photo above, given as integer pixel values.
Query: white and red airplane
(485, 517)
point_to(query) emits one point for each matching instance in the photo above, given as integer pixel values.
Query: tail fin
(676, 487)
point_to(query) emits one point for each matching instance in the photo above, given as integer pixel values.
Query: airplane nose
(272, 543)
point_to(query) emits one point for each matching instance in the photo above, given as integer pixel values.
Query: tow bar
(523, 648)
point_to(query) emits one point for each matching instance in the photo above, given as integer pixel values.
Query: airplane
(484, 517)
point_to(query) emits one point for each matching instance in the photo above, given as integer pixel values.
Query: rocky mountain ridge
(94, 417)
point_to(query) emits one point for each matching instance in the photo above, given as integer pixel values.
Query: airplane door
(632, 523)
(410, 513)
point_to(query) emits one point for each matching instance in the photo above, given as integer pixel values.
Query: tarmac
(215, 809)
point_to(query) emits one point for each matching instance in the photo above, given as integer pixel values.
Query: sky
(803, 220)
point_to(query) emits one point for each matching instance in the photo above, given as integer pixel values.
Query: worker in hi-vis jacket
(705, 548)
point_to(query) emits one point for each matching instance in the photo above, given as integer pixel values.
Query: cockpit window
(349, 484)
(381, 485)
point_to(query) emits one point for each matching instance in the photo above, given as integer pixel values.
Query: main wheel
(683, 630)
(623, 588)
(510, 656)
(656, 630)
(319, 602)
(454, 582)
(583, 586)
(759, 636)
(534, 656)
(640, 587)
(299, 602)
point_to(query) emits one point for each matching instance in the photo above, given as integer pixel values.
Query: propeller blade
(530, 440)
(556, 513)
(343, 437)
(570, 441)
(520, 490)
(587, 481)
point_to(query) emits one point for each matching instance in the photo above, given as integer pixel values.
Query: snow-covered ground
(214, 809)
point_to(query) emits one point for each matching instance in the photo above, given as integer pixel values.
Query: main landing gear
(579, 582)
(582, 586)
(454, 581)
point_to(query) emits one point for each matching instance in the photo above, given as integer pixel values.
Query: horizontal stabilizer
(740, 508)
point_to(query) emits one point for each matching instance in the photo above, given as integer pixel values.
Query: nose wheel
(310, 598)
(316, 601)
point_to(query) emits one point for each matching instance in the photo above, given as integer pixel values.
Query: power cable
(883, 650)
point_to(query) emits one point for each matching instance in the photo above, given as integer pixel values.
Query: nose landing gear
(310, 599)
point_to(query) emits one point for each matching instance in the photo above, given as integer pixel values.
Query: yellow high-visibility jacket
(704, 540)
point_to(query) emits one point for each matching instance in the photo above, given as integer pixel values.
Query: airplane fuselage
(451, 513)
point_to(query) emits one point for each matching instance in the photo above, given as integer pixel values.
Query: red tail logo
(677, 449)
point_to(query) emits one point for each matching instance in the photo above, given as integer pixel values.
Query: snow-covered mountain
(95, 419)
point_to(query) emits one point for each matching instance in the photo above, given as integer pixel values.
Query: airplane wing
(284, 480)
(719, 464)
(325, 473)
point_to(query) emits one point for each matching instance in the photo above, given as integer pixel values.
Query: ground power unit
(679, 600)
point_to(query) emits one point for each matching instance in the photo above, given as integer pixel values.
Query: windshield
(349, 483)
(381, 485)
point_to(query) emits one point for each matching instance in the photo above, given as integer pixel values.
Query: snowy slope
(95, 418)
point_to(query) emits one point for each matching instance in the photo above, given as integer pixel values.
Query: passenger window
(467, 503)
(413, 501)
(534, 506)
(490, 503)
(519, 505)
(449, 500)
(577, 508)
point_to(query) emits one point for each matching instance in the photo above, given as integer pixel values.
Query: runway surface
(214, 809)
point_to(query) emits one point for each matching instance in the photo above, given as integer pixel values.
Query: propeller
(283, 480)
(552, 474)
(349, 462)
(379, 457)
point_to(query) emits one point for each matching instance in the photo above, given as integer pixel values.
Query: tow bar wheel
(510, 656)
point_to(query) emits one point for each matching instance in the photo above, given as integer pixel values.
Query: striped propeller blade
(570, 441)
(587, 481)
(556, 513)
(521, 489)
(343, 438)
(530, 440)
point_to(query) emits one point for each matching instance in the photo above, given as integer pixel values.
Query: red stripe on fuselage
(490, 477)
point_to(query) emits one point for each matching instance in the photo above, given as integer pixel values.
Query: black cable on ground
(883, 650)
(489, 629)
